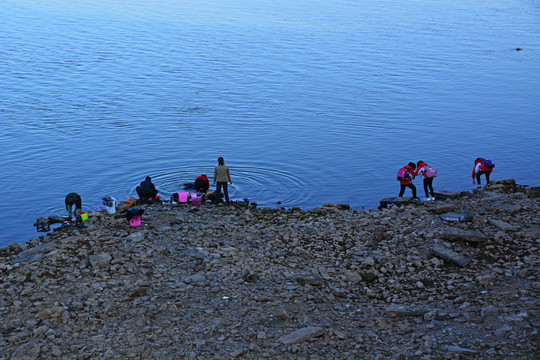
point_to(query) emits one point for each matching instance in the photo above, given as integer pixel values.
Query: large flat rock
(457, 217)
(450, 255)
(444, 194)
(308, 279)
(301, 335)
(463, 235)
(445, 208)
(24, 259)
(491, 196)
(407, 310)
(40, 249)
(504, 226)
(398, 201)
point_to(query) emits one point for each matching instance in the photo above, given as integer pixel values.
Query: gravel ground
(448, 279)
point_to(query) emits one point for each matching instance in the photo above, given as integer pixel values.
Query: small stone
(310, 279)
(40, 331)
(137, 236)
(100, 260)
(282, 315)
(369, 276)
(238, 352)
(368, 261)
(490, 310)
(407, 310)
(195, 279)
(56, 351)
(460, 350)
(503, 330)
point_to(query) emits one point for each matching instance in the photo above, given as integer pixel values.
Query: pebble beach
(455, 278)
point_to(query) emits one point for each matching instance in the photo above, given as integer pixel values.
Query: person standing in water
(73, 199)
(221, 176)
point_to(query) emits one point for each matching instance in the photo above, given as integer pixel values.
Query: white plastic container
(111, 209)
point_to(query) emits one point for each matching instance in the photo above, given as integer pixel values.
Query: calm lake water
(308, 101)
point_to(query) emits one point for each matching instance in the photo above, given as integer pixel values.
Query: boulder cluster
(447, 279)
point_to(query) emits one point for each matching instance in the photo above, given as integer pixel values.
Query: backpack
(429, 171)
(403, 175)
(488, 163)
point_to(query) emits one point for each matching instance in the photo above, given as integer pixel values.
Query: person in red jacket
(202, 184)
(407, 181)
(428, 174)
(481, 169)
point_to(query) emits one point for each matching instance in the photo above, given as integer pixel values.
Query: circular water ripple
(267, 187)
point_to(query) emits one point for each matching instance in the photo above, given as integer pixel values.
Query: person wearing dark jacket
(146, 190)
(73, 199)
(202, 184)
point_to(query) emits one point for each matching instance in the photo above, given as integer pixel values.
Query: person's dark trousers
(225, 190)
(482, 173)
(413, 188)
(428, 183)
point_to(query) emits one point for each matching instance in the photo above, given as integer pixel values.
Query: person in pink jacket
(428, 173)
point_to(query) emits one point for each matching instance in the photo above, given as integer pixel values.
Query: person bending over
(406, 181)
(73, 199)
(146, 190)
(202, 184)
(482, 167)
(428, 173)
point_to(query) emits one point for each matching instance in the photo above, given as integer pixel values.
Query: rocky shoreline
(446, 279)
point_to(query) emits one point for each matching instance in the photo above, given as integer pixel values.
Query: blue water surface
(308, 101)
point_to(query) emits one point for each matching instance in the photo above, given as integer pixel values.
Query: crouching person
(146, 190)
